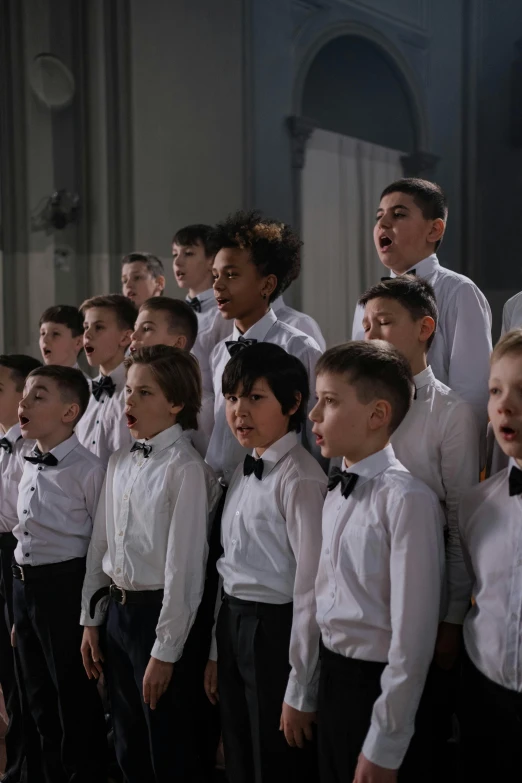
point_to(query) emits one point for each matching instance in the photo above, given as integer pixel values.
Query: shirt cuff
(384, 750)
(165, 652)
(213, 654)
(302, 697)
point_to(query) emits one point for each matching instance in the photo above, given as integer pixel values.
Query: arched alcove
(353, 87)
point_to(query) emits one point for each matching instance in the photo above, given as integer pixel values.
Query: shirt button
(514, 617)
(25, 511)
(26, 533)
(94, 443)
(125, 497)
(120, 533)
(237, 513)
(32, 489)
(27, 554)
(327, 551)
(118, 570)
(40, 468)
(234, 541)
(97, 422)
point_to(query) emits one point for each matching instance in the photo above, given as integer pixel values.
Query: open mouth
(508, 433)
(23, 421)
(244, 431)
(131, 420)
(384, 242)
(46, 351)
(133, 347)
(179, 275)
(222, 302)
(88, 349)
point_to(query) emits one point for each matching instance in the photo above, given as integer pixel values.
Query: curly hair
(274, 247)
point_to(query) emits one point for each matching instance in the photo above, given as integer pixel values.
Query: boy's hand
(13, 637)
(156, 681)
(447, 646)
(91, 654)
(368, 772)
(210, 682)
(297, 725)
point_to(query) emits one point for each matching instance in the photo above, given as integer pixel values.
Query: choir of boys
(337, 651)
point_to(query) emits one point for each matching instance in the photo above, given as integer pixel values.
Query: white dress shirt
(200, 438)
(438, 442)
(11, 469)
(378, 590)
(56, 506)
(212, 328)
(512, 313)
(103, 427)
(305, 323)
(459, 355)
(224, 452)
(150, 533)
(491, 528)
(271, 535)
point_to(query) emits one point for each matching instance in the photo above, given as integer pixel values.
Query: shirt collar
(277, 304)
(424, 268)
(65, 447)
(118, 376)
(371, 466)
(277, 451)
(13, 433)
(204, 296)
(259, 330)
(424, 378)
(164, 439)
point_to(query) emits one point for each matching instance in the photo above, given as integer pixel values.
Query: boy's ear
(380, 415)
(78, 343)
(437, 231)
(269, 286)
(72, 413)
(175, 409)
(295, 408)
(160, 283)
(180, 341)
(427, 328)
(125, 339)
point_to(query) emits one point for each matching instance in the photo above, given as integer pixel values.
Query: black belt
(257, 607)
(8, 541)
(35, 573)
(122, 597)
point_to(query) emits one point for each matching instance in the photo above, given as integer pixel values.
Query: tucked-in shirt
(491, 528)
(512, 313)
(224, 452)
(271, 535)
(378, 590)
(212, 328)
(305, 323)
(11, 469)
(56, 505)
(150, 533)
(459, 355)
(103, 427)
(438, 442)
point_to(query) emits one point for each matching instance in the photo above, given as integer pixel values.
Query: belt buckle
(22, 576)
(119, 591)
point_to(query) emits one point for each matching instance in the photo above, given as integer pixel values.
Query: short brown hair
(153, 263)
(124, 310)
(181, 316)
(71, 383)
(376, 370)
(509, 343)
(177, 374)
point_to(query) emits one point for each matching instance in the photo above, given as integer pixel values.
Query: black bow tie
(234, 346)
(106, 385)
(7, 445)
(195, 304)
(144, 447)
(253, 465)
(346, 480)
(515, 481)
(411, 272)
(37, 458)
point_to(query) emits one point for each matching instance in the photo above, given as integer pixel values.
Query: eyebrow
(227, 267)
(396, 206)
(99, 321)
(41, 387)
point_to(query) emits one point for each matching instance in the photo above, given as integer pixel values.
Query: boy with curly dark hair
(256, 259)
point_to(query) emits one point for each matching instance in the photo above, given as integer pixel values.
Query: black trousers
(155, 746)
(348, 689)
(21, 742)
(490, 719)
(64, 703)
(253, 641)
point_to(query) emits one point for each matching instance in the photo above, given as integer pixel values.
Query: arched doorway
(363, 121)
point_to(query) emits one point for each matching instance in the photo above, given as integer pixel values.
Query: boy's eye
(384, 323)
(144, 393)
(255, 397)
(399, 214)
(231, 398)
(493, 391)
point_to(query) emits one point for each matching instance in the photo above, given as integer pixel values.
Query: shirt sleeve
(186, 558)
(357, 327)
(467, 330)
(308, 352)
(201, 436)
(303, 520)
(95, 577)
(213, 654)
(460, 468)
(416, 574)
